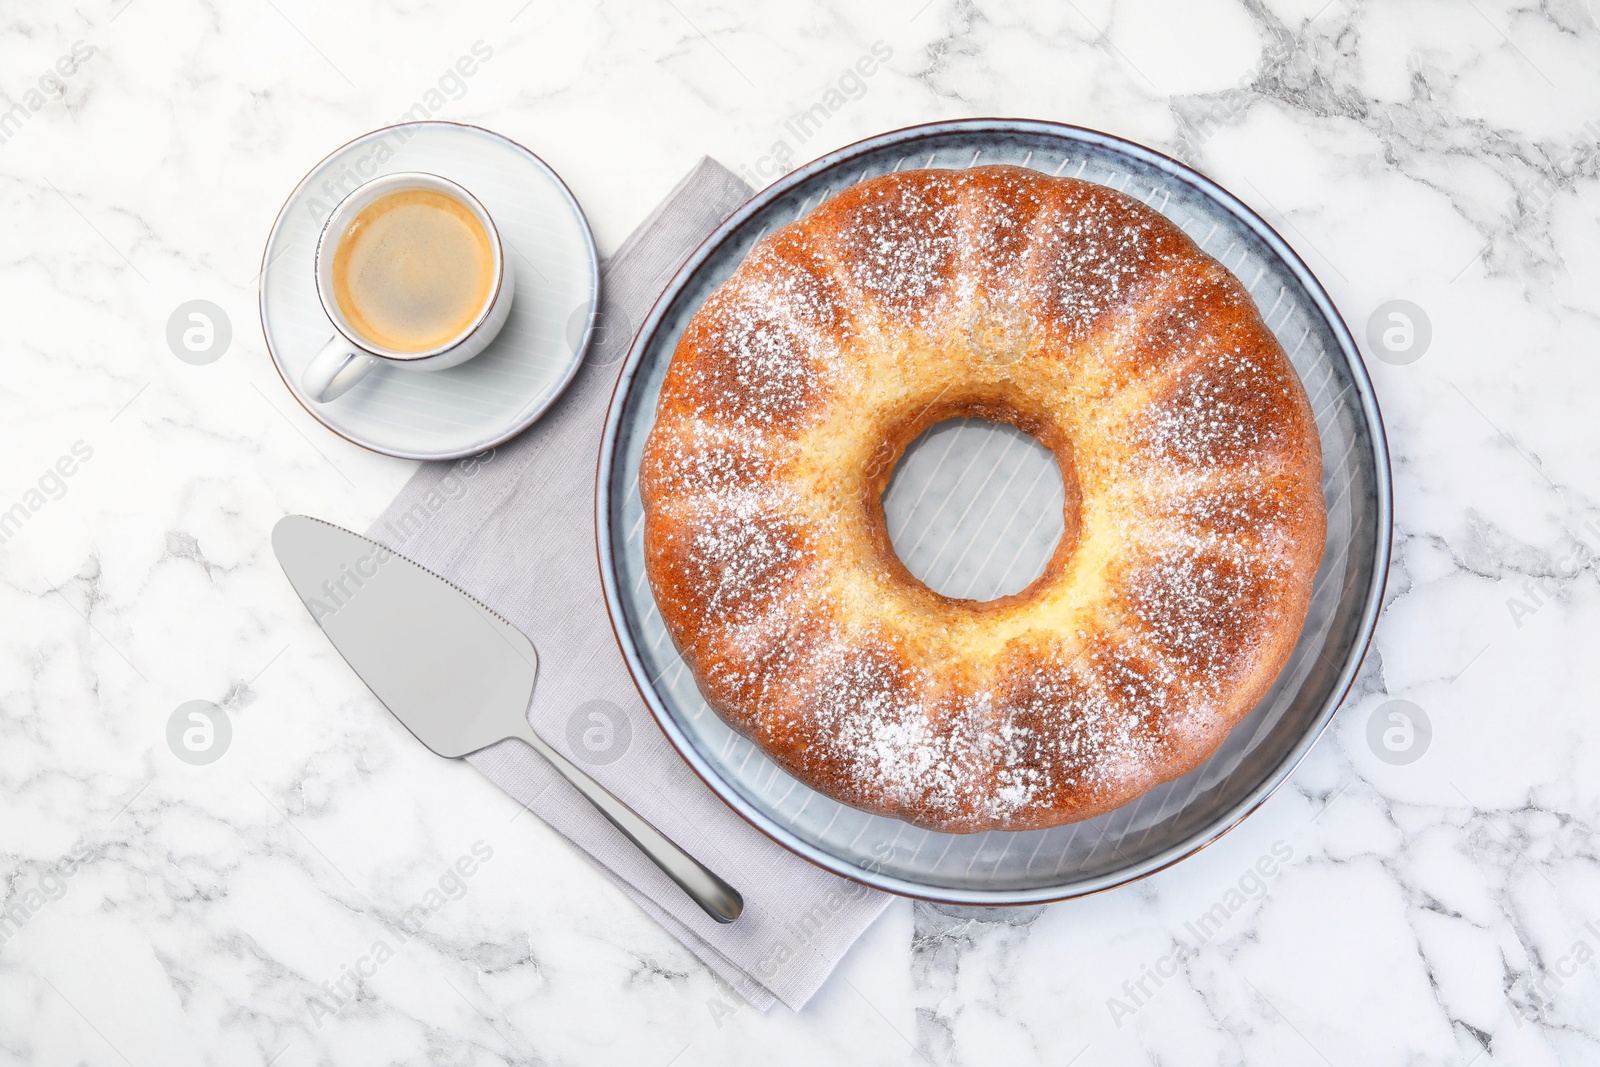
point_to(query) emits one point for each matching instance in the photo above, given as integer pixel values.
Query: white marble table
(1442, 910)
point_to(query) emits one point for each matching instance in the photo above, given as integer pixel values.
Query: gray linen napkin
(515, 528)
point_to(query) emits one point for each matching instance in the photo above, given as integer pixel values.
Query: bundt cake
(1194, 513)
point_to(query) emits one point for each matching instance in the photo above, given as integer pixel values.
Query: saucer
(443, 414)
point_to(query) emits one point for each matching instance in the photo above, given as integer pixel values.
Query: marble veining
(1435, 904)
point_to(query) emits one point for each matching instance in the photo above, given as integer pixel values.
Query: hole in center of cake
(975, 509)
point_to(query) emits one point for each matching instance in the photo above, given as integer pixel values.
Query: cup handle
(334, 370)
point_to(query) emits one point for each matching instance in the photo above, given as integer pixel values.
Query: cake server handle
(716, 897)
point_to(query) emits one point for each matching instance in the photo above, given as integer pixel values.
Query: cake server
(457, 675)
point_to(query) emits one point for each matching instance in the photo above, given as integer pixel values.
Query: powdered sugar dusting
(894, 241)
(1234, 412)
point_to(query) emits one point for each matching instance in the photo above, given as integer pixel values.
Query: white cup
(348, 357)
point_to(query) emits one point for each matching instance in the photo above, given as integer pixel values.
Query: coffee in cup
(413, 270)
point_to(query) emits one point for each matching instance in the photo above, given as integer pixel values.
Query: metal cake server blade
(457, 675)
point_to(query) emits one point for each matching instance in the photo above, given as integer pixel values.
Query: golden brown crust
(1194, 518)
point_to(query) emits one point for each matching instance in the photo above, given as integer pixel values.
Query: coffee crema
(413, 270)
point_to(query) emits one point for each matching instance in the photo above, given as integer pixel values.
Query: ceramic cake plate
(1003, 551)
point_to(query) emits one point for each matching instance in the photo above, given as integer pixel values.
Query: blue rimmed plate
(1173, 820)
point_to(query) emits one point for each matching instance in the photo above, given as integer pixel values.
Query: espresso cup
(411, 271)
